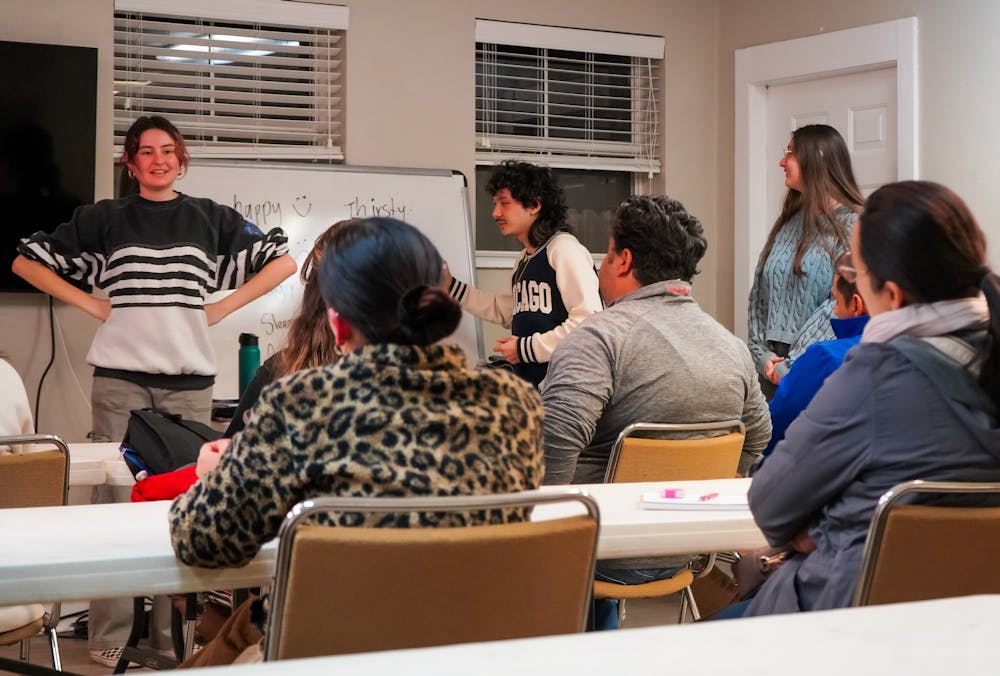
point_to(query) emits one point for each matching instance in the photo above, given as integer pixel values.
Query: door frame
(882, 45)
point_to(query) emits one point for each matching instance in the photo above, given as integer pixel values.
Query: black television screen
(48, 122)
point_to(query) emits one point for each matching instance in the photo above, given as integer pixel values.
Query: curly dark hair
(665, 240)
(532, 185)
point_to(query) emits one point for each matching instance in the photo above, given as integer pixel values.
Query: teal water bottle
(249, 359)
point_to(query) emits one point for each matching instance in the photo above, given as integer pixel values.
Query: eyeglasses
(786, 151)
(845, 268)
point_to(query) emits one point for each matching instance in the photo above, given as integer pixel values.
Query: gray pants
(112, 400)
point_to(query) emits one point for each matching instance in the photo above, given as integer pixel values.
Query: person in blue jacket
(809, 371)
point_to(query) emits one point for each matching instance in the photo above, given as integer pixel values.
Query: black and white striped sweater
(158, 262)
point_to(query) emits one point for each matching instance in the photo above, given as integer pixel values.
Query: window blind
(233, 88)
(578, 109)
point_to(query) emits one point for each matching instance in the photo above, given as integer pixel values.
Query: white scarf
(928, 319)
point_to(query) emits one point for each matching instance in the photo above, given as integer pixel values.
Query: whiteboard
(304, 200)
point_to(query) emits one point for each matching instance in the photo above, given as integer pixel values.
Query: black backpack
(156, 442)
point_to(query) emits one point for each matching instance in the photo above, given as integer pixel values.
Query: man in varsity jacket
(553, 285)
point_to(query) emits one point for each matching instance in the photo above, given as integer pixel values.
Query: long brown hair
(827, 180)
(310, 339)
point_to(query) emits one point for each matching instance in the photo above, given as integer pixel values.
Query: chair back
(343, 590)
(34, 479)
(640, 458)
(921, 552)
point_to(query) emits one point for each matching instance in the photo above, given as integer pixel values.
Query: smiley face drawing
(302, 205)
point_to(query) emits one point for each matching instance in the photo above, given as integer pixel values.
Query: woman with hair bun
(397, 415)
(918, 398)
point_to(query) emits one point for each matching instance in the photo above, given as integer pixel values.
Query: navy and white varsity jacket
(552, 290)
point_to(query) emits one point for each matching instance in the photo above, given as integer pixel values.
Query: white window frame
(309, 16)
(636, 156)
(490, 149)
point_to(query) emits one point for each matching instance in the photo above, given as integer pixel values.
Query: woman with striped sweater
(157, 256)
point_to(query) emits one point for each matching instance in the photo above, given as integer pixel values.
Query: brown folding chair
(667, 452)
(39, 478)
(344, 590)
(916, 552)
(638, 455)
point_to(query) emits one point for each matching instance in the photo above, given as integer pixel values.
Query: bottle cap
(248, 339)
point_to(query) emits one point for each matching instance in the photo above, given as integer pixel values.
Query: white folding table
(949, 636)
(123, 549)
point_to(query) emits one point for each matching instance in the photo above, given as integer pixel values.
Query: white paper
(713, 501)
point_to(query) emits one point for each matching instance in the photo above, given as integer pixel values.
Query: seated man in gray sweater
(652, 356)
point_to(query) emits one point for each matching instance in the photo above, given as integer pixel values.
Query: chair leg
(189, 627)
(621, 612)
(54, 649)
(24, 646)
(688, 604)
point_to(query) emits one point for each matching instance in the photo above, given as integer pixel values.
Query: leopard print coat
(386, 420)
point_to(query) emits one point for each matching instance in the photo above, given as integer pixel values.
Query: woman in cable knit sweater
(790, 302)
(398, 415)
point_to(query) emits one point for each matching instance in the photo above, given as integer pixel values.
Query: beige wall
(958, 55)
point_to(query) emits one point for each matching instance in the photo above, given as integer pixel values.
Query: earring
(131, 174)
(181, 172)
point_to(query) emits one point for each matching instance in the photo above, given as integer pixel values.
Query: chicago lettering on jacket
(532, 296)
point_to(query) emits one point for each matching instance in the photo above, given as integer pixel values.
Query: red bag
(166, 486)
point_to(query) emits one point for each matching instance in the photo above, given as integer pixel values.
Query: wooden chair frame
(301, 512)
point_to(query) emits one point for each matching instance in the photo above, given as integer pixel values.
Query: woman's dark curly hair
(532, 185)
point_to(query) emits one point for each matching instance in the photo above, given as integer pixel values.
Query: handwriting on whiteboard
(267, 213)
(272, 323)
(372, 207)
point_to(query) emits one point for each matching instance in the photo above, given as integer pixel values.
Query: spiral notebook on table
(694, 501)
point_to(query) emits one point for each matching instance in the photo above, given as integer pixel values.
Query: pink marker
(673, 493)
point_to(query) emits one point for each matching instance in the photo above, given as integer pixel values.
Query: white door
(861, 106)
(821, 63)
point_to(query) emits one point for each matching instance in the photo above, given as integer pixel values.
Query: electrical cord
(52, 358)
